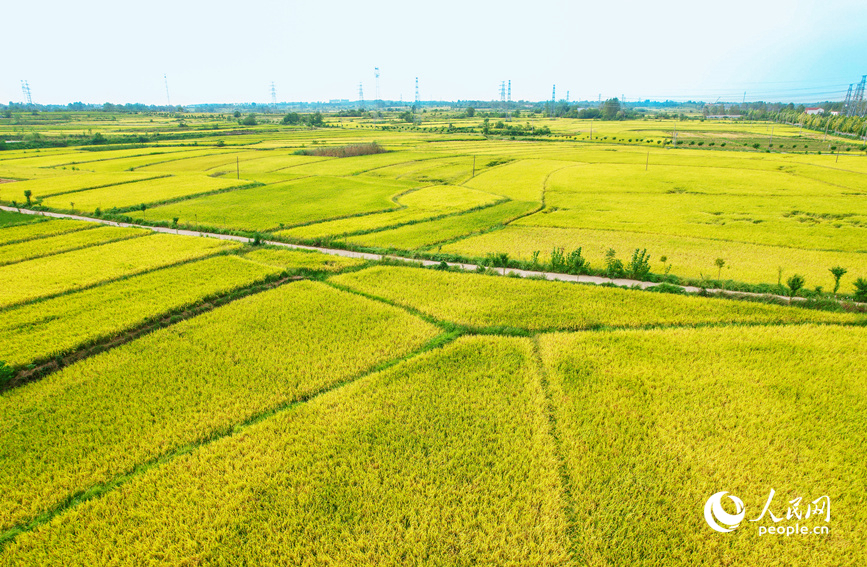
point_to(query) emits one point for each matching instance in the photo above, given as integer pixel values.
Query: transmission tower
(858, 99)
(168, 99)
(25, 88)
(553, 99)
(502, 93)
(361, 96)
(378, 96)
(273, 95)
(509, 99)
(416, 92)
(847, 104)
(567, 97)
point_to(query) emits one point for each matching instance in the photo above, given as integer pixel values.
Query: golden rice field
(174, 399)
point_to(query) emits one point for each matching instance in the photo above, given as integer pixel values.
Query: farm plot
(60, 273)
(422, 204)
(57, 326)
(12, 253)
(147, 192)
(293, 202)
(652, 423)
(185, 384)
(432, 232)
(485, 301)
(522, 180)
(47, 187)
(688, 257)
(302, 260)
(445, 459)
(39, 227)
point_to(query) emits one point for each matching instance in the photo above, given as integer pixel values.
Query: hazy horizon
(97, 52)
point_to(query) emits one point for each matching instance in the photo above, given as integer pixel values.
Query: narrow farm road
(376, 257)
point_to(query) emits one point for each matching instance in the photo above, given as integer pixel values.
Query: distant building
(835, 113)
(815, 110)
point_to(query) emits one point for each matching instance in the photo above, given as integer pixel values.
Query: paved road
(366, 256)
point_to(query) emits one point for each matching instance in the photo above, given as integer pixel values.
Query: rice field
(183, 400)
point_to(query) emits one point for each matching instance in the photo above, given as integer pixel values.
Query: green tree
(610, 108)
(6, 373)
(28, 193)
(613, 266)
(249, 120)
(471, 112)
(795, 283)
(861, 290)
(838, 272)
(291, 118)
(639, 266)
(719, 264)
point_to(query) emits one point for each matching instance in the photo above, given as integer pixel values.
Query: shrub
(613, 266)
(639, 266)
(576, 263)
(861, 290)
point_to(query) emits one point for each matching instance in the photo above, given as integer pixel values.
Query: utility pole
(378, 96)
(474, 167)
(238, 166)
(591, 129)
(674, 136)
(647, 163)
(771, 139)
(168, 99)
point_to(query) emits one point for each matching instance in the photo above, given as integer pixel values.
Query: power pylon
(509, 96)
(361, 96)
(417, 100)
(847, 105)
(168, 99)
(25, 88)
(858, 98)
(502, 92)
(273, 95)
(553, 99)
(378, 96)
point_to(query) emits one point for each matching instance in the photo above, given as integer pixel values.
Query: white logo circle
(714, 514)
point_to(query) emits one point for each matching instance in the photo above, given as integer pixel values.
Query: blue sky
(217, 51)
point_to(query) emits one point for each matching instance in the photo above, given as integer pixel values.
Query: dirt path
(376, 257)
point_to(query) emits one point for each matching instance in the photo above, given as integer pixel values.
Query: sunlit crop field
(243, 373)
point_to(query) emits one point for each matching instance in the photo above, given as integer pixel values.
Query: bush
(576, 264)
(613, 266)
(6, 373)
(861, 290)
(639, 266)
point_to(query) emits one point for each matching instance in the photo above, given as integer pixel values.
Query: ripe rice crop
(184, 384)
(40, 228)
(302, 260)
(288, 203)
(132, 194)
(68, 183)
(652, 423)
(689, 257)
(57, 326)
(422, 204)
(522, 180)
(444, 459)
(432, 232)
(11, 253)
(488, 301)
(51, 275)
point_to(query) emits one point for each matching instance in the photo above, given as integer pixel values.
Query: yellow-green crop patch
(653, 423)
(77, 182)
(132, 194)
(432, 232)
(288, 203)
(522, 180)
(21, 251)
(41, 228)
(445, 459)
(57, 326)
(422, 204)
(184, 384)
(302, 260)
(77, 269)
(688, 256)
(484, 301)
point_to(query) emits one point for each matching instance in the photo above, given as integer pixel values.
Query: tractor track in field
(597, 280)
